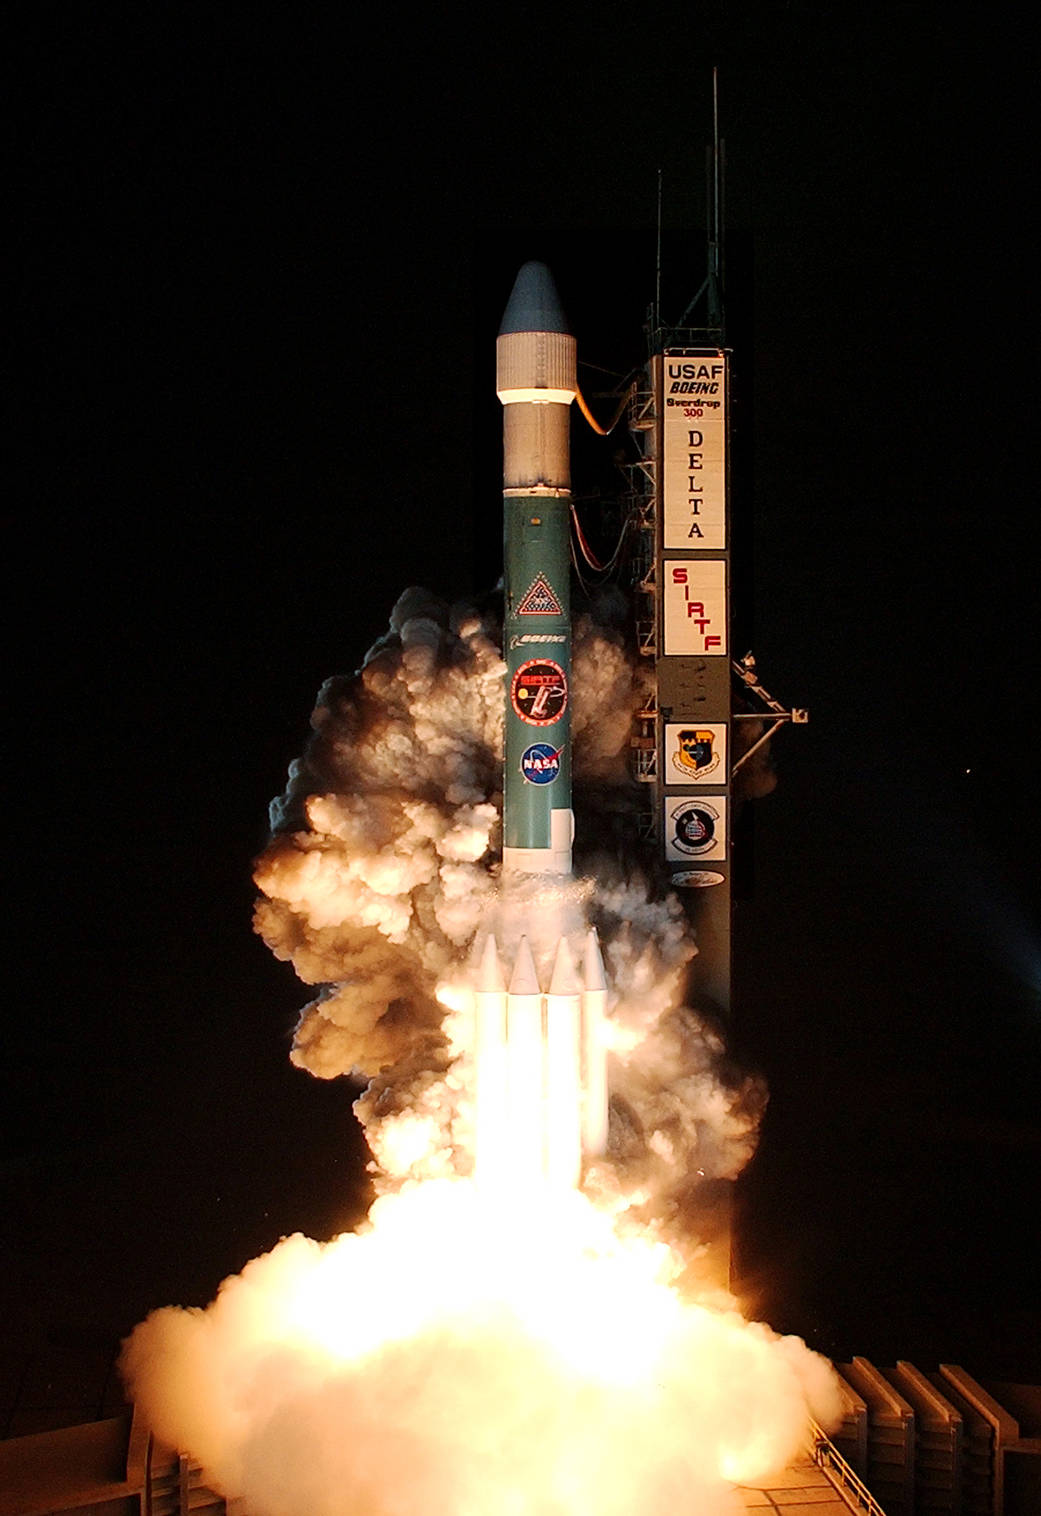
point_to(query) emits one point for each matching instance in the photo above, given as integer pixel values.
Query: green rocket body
(537, 636)
(535, 380)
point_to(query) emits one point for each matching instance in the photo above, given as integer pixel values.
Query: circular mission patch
(538, 692)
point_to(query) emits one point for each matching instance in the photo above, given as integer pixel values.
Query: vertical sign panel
(695, 606)
(694, 442)
(695, 827)
(695, 752)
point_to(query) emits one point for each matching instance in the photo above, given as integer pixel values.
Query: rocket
(535, 378)
(541, 1085)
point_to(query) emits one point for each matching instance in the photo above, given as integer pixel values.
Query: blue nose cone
(534, 305)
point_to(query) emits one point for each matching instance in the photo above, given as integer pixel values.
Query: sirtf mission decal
(695, 827)
(538, 692)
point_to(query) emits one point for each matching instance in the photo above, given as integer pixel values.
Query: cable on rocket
(587, 552)
(602, 431)
(580, 548)
(583, 545)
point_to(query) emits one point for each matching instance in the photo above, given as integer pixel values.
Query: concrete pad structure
(116, 1468)
(805, 1489)
(908, 1441)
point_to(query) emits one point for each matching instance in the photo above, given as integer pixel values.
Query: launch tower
(709, 713)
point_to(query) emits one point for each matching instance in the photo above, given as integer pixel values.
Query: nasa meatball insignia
(540, 763)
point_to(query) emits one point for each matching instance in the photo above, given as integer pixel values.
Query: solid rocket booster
(541, 1068)
(536, 382)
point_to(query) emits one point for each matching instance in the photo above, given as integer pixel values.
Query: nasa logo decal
(540, 600)
(538, 692)
(694, 826)
(540, 763)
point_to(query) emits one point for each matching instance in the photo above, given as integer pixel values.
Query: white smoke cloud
(428, 1364)
(383, 870)
(378, 871)
(609, 686)
(433, 1361)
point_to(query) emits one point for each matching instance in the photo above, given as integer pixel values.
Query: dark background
(260, 270)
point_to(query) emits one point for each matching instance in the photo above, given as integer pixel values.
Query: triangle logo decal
(540, 600)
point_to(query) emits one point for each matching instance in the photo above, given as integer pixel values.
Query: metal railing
(828, 1458)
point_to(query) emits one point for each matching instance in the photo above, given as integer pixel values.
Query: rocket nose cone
(534, 305)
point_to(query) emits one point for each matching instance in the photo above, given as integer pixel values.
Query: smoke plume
(450, 1358)
(381, 875)
(432, 1364)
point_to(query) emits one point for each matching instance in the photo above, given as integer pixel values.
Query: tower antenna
(657, 271)
(715, 247)
(712, 285)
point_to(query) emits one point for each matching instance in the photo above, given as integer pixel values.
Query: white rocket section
(594, 1049)
(555, 859)
(541, 1077)
(564, 1073)
(526, 1062)
(490, 1129)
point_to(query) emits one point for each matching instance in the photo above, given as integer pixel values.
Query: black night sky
(260, 266)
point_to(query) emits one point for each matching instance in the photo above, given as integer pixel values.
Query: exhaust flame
(481, 1349)
(451, 1360)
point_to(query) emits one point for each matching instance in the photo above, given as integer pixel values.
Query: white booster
(541, 1076)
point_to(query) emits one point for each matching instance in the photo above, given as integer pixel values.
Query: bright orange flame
(557, 1350)
(474, 1350)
